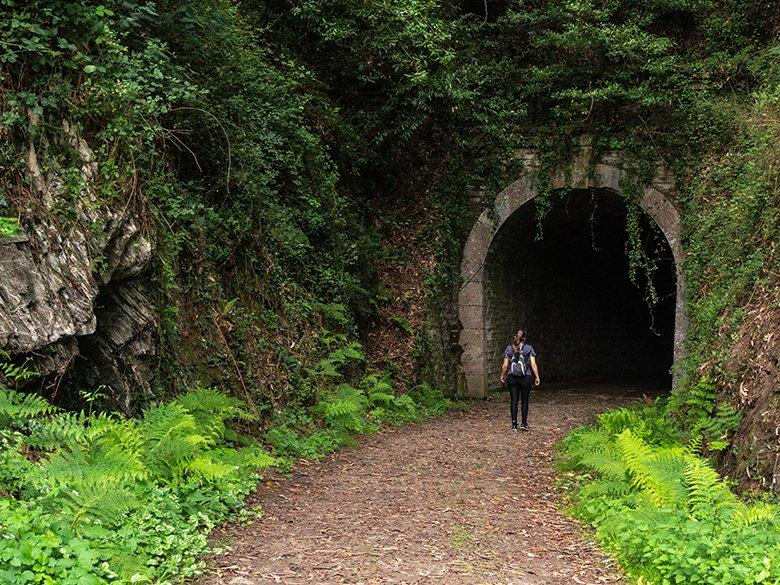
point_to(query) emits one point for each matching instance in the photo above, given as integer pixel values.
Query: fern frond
(405, 403)
(171, 440)
(63, 428)
(616, 421)
(252, 457)
(166, 421)
(329, 366)
(14, 373)
(203, 468)
(101, 501)
(707, 494)
(582, 442)
(763, 512)
(211, 410)
(16, 406)
(606, 462)
(210, 402)
(94, 464)
(381, 398)
(695, 445)
(645, 467)
(614, 488)
(345, 408)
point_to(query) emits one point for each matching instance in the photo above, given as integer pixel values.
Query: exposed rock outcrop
(753, 371)
(77, 287)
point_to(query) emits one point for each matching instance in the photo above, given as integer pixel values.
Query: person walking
(518, 372)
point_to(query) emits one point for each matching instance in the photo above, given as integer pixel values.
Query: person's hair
(519, 338)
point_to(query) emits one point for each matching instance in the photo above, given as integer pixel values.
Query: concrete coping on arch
(609, 172)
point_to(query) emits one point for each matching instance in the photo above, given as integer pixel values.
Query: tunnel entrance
(571, 289)
(572, 293)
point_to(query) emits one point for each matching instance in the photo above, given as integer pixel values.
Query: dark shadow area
(572, 293)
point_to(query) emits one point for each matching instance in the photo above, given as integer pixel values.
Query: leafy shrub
(663, 510)
(95, 499)
(346, 411)
(714, 421)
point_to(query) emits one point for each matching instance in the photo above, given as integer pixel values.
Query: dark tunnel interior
(571, 292)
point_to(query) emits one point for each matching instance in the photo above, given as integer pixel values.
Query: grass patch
(460, 537)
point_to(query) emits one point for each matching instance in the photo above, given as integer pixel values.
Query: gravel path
(458, 499)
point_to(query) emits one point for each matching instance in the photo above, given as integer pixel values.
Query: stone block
(472, 341)
(472, 316)
(470, 294)
(474, 275)
(513, 197)
(609, 177)
(476, 384)
(473, 360)
(476, 249)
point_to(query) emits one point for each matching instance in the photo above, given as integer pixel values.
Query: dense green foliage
(732, 226)
(94, 498)
(272, 149)
(662, 509)
(275, 142)
(339, 410)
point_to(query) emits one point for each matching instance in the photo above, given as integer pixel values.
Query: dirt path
(459, 499)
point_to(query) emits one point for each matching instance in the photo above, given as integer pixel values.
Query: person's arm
(504, 369)
(535, 368)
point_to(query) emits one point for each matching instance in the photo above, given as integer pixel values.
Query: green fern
(695, 445)
(605, 487)
(381, 398)
(763, 512)
(252, 457)
(715, 421)
(651, 470)
(707, 494)
(61, 429)
(379, 390)
(14, 373)
(335, 312)
(329, 367)
(345, 408)
(17, 407)
(605, 461)
(580, 443)
(93, 464)
(405, 403)
(91, 481)
(172, 439)
(204, 468)
(669, 517)
(700, 399)
(212, 409)
(616, 421)
(101, 501)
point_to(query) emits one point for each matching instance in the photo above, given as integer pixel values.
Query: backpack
(517, 366)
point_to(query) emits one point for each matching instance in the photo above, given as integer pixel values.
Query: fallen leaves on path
(458, 499)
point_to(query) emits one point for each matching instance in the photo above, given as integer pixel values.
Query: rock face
(74, 294)
(753, 373)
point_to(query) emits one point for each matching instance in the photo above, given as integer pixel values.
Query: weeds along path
(458, 499)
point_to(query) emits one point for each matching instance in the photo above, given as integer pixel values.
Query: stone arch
(656, 200)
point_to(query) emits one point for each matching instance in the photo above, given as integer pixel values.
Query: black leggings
(519, 388)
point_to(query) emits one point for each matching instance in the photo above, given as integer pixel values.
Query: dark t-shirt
(526, 351)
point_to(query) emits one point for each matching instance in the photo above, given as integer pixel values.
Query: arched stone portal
(656, 199)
